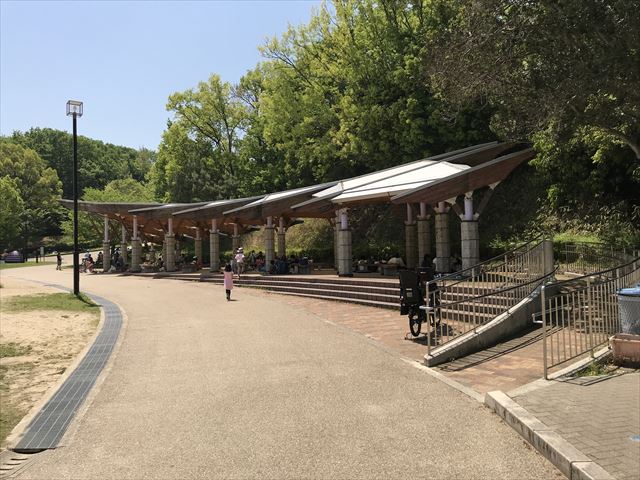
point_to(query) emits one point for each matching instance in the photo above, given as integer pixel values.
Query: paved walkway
(600, 416)
(204, 388)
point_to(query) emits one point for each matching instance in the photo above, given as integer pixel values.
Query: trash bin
(629, 306)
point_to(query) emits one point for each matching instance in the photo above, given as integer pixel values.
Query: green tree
(346, 93)
(98, 162)
(566, 68)
(38, 187)
(11, 213)
(198, 157)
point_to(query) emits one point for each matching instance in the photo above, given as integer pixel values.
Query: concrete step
(324, 285)
(314, 291)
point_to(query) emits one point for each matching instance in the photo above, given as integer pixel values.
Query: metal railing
(586, 258)
(583, 314)
(462, 302)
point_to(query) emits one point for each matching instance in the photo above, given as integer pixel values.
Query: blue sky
(123, 59)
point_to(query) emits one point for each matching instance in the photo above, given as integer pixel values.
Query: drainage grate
(50, 424)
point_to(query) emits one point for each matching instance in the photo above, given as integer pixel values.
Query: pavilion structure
(461, 180)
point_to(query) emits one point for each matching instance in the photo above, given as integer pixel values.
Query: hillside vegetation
(368, 84)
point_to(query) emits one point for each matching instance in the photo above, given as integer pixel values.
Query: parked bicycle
(415, 303)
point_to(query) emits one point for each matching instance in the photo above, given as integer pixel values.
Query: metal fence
(462, 302)
(582, 313)
(587, 258)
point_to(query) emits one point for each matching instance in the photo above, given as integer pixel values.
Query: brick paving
(597, 415)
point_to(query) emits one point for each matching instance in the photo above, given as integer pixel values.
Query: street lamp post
(74, 108)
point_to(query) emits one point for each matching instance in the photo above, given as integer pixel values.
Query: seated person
(396, 260)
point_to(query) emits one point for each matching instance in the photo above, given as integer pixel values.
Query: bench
(188, 268)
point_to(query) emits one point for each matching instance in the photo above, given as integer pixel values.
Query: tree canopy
(31, 190)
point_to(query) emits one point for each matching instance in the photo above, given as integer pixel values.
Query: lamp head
(74, 108)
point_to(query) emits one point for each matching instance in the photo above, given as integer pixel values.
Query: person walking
(228, 280)
(239, 258)
(58, 261)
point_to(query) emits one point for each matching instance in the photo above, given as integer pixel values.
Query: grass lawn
(51, 301)
(7, 266)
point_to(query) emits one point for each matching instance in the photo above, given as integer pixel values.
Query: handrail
(494, 293)
(492, 259)
(586, 316)
(507, 283)
(595, 274)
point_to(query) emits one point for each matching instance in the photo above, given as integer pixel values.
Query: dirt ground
(51, 340)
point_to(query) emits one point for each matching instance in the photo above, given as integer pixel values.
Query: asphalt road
(253, 388)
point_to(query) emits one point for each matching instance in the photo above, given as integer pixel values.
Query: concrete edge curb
(16, 434)
(18, 431)
(574, 464)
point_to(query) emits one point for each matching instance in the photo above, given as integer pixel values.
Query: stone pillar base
(198, 250)
(424, 238)
(345, 259)
(443, 247)
(282, 249)
(336, 249)
(152, 255)
(411, 252)
(470, 243)
(269, 253)
(214, 252)
(124, 253)
(106, 256)
(136, 251)
(170, 252)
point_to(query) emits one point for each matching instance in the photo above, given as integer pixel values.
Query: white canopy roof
(388, 187)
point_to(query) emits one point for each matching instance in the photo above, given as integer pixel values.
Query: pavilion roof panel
(468, 180)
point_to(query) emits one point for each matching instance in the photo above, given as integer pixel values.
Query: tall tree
(39, 189)
(99, 162)
(198, 155)
(347, 92)
(567, 68)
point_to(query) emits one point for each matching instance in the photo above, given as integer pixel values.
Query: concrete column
(152, 254)
(345, 258)
(123, 246)
(198, 247)
(548, 256)
(214, 247)
(443, 247)
(410, 238)
(336, 229)
(470, 240)
(106, 247)
(136, 253)
(282, 246)
(424, 233)
(269, 253)
(170, 252)
(235, 239)
(106, 256)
